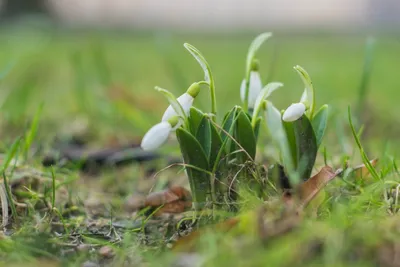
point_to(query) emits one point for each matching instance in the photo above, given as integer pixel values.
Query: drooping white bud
(294, 112)
(158, 134)
(255, 87)
(186, 101)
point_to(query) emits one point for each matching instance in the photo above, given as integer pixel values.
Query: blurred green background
(96, 65)
(82, 72)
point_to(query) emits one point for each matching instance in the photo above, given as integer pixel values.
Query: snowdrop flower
(186, 101)
(158, 134)
(255, 86)
(294, 112)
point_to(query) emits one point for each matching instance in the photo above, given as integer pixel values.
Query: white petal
(243, 90)
(255, 87)
(294, 112)
(186, 102)
(156, 136)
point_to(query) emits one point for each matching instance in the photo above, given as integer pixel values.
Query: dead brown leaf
(310, 188)
(175, 199)
(361, 171)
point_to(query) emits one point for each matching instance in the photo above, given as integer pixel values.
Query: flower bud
(186, 101)
(255, 87)
(158, 134)
(294, 112)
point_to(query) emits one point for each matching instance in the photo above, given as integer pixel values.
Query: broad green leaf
(278, 134)
(203, 135)
(255, 45)
(306, 146)
(228, 122)
(310, 92)
(257, 127)
(291, 140)
(199, 178)
(319, 123)
(245, 135)
(216, 145)
(195, 117)
(262, 96)
(173, 102)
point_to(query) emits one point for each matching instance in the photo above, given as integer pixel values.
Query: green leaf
(201, 60)
(207, 74)
(309, 89)
(216, 146)
(203, 135)
(319, 123)
(291, 140)
(257, 127)
(255, 45)
(245, 135)
(278, 134)
(173, 102)
(228, 122)
(199, 177)
(306, 146)
(195, 117)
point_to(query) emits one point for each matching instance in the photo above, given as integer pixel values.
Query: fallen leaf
(310, 188)
(361, 171)
(175, 199)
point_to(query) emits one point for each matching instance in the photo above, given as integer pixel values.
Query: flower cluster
(214, 153)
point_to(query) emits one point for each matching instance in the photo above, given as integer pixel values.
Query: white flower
(294, 112)
(186, 101)
(255, 87)
(156, 136)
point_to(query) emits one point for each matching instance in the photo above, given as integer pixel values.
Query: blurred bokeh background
(98, 61)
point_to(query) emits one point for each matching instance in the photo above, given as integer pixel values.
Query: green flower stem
(213, 101)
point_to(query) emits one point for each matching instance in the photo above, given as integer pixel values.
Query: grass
(100, 87)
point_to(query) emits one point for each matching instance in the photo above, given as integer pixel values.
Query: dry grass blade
(310, 188)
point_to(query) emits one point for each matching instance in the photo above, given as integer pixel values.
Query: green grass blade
(31, 134)
(364, 156)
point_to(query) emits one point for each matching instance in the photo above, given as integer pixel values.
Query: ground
(76, 92)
